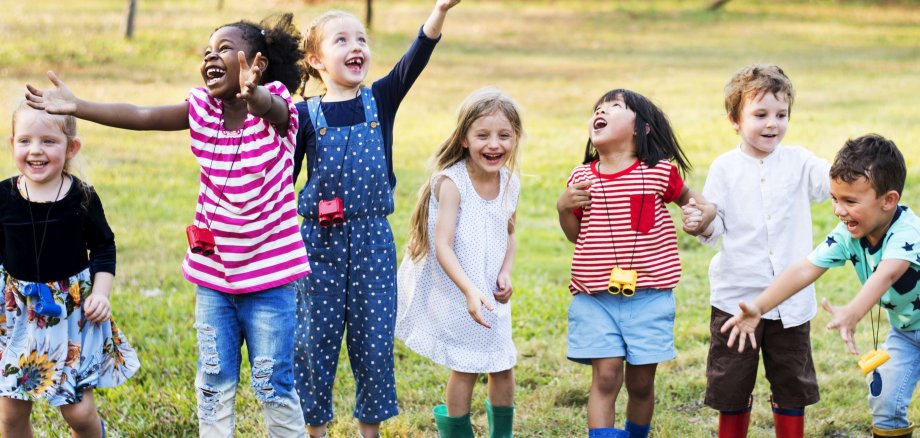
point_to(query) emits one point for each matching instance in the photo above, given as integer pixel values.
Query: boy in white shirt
(763, 191)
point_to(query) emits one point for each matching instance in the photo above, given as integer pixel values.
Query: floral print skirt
(58, 357)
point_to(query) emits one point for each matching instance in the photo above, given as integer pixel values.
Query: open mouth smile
(214, 75)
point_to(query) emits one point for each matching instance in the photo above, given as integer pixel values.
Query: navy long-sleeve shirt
(388, 91)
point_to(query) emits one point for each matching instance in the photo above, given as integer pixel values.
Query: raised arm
(435, 21)
(259, 101)
(444, 229)
(60, 100)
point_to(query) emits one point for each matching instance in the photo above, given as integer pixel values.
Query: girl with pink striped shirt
(245, 250)
(625, 266)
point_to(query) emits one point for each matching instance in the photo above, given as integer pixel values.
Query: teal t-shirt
(901, 242)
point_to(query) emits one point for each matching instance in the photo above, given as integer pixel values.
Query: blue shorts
(639, 328)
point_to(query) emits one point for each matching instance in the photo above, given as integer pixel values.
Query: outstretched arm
(444, 228)
(792, 280)
(60, 100)
(435, 21)
(846, 317)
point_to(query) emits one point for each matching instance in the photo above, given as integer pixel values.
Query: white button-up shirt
(764, 222)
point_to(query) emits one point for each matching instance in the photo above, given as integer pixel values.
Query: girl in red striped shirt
(625, 263)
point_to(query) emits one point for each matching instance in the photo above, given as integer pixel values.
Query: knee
(502, 377)
(81, 416)
(640, 388)
(13, 421)
(608, 381)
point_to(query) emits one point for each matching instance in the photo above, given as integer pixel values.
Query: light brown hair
(313, 38)
(752, 81)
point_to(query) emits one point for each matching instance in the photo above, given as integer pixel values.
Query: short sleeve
(452, 173)
(577, 175)
(904, 245)
(675, 186)
(834, 250)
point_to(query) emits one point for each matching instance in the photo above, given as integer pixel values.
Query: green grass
(854, 65)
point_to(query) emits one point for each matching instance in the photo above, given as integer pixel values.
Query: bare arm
(60, 100)
(574, 196)
(432, 27)
(846, 317)
(792, 280)
(504, 274)
(97, 307)
(444, 229)
(695, 223)
(259, 101)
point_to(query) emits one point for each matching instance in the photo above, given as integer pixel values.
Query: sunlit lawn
(856, 68)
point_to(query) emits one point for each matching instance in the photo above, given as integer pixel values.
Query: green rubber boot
(501, 420)
(452, 427)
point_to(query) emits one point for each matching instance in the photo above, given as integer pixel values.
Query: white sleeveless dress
(431, 317)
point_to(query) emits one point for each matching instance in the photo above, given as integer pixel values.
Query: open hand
(250, 76)
(445, 5)
(57, 100)
(96, 308)
(743, 326)
(844, 321)
(503, 294)
(474, 303)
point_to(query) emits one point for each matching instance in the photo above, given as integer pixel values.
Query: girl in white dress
(455, 281)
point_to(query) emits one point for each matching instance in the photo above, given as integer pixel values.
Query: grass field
(855, 65)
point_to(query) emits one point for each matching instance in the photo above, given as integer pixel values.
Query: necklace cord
(351, 127)
(610, 224)
(207, 173)
(39, 247)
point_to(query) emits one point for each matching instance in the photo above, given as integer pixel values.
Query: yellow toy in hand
(872, 360)
(622, 280)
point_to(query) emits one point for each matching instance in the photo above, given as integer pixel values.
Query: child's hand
(503, 294)
(575, 196)
(691, 216)
(743, 324)
(96, 308)
(445, 5)
(474, 303)
(845, 321)
(57, 100)
(250, 76)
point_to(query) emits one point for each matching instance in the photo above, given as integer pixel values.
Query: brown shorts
(786, 358)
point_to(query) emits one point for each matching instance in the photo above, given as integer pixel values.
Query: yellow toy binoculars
(622, 281)
(872, 360)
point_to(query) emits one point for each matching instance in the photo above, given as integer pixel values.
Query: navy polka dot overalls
(353, 284)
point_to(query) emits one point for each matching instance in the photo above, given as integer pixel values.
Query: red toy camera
(200, 240)
(331, 212)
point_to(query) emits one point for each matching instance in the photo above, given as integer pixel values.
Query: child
(461, 248)
(242, 125)
(882, 240)
(764, 191)
(60, 343)
(614, 211)
(346, 135)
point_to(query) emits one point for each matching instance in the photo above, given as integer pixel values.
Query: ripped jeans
(265, 321)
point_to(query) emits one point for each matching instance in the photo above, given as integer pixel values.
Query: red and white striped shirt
(627, 225)
(246, 198)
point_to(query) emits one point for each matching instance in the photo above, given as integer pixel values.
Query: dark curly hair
(279, 41)
(873, 157)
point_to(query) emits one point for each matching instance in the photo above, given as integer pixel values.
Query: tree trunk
(370, 13)
(717, 4)
(129, 19)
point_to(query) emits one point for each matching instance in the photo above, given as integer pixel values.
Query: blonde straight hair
(481, 103)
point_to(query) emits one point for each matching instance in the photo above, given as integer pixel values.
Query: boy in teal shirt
(882, 241)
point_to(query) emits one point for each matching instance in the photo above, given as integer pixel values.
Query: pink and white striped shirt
(246, 198)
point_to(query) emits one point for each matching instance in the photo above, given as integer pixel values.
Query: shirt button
(763, 180)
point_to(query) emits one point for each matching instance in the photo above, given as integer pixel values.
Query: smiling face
(220, 68)
(612, 124)
(762, 124)
(490, 142)
(343, 58)
(41, 150)
(863, 212)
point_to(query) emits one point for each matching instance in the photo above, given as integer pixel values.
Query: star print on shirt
(888, 306)
(855, 259)
(908, 246)
(916, 303)
(830, 240)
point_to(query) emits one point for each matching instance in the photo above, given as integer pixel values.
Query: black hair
(655, 140)
(279, 41)
(875, 158)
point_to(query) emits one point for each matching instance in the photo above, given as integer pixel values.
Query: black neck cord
(347, 138)
(876, 323)
(39, 247)
(207, 172)
(632, 257)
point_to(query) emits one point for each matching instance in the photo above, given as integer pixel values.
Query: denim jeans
(899, 378)
(265, 321)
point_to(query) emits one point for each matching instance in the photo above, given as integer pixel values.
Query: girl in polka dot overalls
(461, 249)
(346, 135)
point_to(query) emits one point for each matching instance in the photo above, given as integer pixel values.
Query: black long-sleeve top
(389, 92)
(76, 234)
